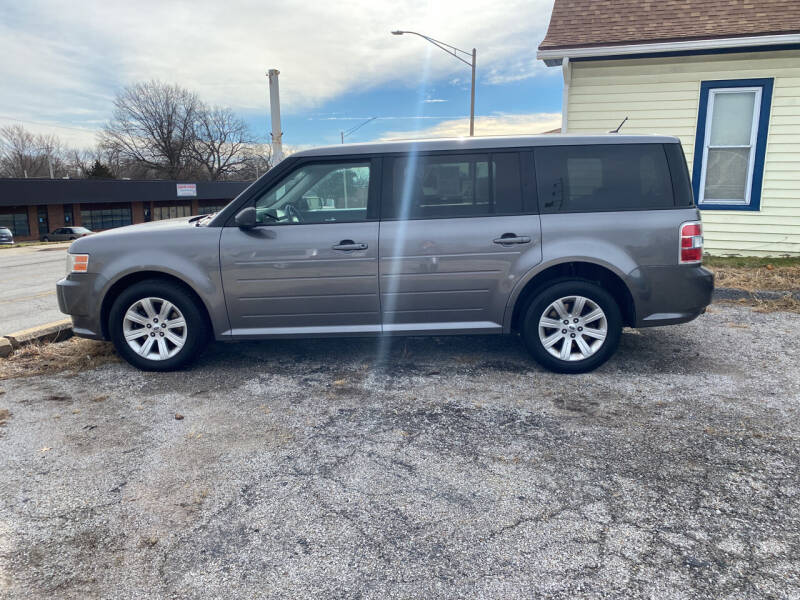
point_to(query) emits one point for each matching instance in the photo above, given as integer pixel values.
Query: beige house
(722, 75)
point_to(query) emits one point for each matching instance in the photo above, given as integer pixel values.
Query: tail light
(691, 248)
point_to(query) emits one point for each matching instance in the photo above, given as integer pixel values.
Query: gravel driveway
(457, 469)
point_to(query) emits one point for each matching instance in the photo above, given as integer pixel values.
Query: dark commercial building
(32, 207)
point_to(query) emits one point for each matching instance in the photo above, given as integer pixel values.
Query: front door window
(318, 193)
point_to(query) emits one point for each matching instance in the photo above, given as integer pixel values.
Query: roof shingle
(586, 23)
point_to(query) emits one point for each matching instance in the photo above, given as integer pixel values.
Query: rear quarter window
(611, 177)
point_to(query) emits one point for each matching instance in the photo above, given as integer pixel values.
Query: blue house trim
(761, 140)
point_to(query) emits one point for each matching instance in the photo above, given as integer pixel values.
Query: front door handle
(350, 245)
(512, 238)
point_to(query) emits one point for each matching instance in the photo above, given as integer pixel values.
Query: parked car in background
(65, 234)
(6, 237)
(560, 239)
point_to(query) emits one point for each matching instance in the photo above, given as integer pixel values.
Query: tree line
(156, 131)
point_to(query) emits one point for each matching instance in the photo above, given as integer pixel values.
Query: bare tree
(24, 154)
(258, 160)
(220, 142)
(153, 125)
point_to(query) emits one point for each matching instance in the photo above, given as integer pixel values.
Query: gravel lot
(455, 468)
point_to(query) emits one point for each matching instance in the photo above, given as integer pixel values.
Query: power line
(82, 129)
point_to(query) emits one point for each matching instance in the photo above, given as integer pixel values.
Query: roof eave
(554, 57)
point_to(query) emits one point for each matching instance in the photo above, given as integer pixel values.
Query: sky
(61, 64)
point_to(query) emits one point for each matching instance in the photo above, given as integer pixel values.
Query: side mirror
(246, 218)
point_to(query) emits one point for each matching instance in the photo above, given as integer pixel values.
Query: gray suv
(561, 239)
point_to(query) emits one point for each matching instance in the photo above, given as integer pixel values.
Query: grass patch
(753, 273)
(25, 244)
(750, 262)
(75, 355)
(5, 415)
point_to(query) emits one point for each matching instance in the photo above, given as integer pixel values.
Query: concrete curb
(57, 331)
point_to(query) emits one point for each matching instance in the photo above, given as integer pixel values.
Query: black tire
(45, 239)
(197, 329)
(565, 288)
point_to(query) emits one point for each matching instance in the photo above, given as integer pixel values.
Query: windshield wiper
(199, 219)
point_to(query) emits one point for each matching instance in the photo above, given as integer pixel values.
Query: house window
(731, 143)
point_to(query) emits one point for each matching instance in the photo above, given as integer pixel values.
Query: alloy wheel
(573, 328)
(154, 328)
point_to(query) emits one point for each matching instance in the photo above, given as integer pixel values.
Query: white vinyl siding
(661, 95)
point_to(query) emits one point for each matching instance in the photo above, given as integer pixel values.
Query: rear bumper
(670, 295)
(77, 298)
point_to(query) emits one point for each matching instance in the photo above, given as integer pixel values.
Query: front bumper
(78, 297)
(670, 295)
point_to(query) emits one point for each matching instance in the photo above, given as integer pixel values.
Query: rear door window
(608, 177)
(452, 185)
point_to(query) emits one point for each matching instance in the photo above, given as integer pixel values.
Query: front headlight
(77, 263)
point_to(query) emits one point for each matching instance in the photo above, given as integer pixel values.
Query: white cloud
(74, 137)
(520, 124)
(434, 100)
(64, 64)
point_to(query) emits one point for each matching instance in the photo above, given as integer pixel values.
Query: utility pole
(344, 134)
(472, 98)
(454, 52)
(275, 115)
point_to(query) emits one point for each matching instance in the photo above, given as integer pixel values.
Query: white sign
(187, 189)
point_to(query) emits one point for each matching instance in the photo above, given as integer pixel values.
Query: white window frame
(752, 146)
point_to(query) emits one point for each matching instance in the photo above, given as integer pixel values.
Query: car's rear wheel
(45, 239)
(572, 326)
(158, 326)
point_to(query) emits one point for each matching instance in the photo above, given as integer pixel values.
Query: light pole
(453, 51)
(344, 134)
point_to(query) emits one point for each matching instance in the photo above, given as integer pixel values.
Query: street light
(344, 134)
(453, 51)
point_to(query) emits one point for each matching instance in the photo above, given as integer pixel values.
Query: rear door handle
(350, 245)
(512, 238)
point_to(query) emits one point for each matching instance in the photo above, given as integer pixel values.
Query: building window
(68, 214)
(44, 223)
(171, 211)
(16, 219)
(105, 217)
(207, 209)
(731, 142)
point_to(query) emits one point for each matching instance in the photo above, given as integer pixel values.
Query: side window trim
(530, 192)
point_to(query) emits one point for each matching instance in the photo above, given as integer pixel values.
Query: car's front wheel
(45, 239)
(572, 326)
(158, 326)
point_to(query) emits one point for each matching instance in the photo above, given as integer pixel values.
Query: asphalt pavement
(420, 468)
(28, 285)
